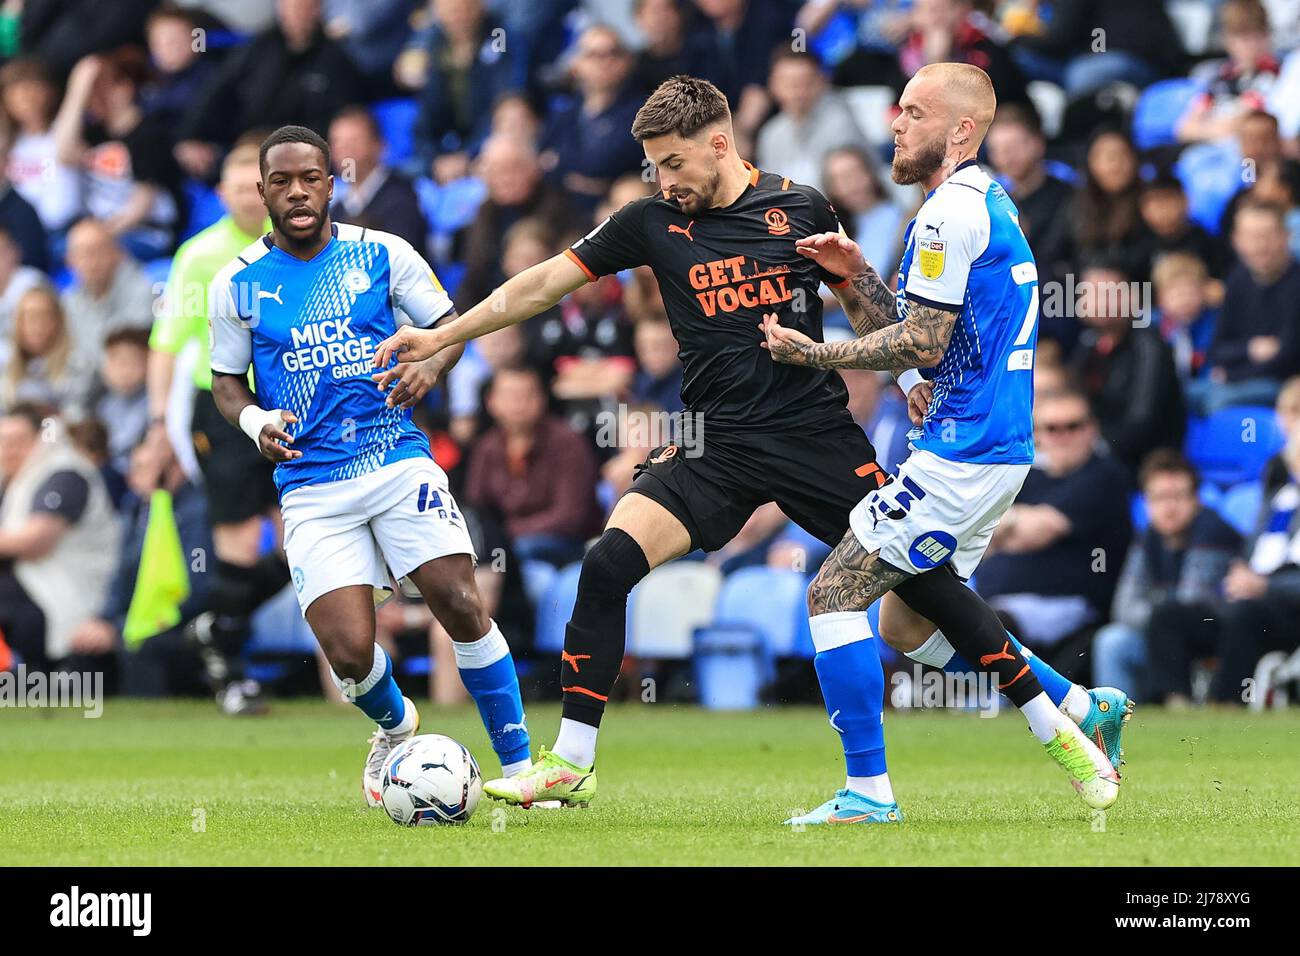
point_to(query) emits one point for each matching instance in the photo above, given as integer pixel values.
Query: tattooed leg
(851, 579)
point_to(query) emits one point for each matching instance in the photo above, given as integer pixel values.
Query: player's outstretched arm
(918, 341)
(237, 406)
(532, 291)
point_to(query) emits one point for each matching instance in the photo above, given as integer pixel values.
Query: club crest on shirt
(931, 253)
(356, 281)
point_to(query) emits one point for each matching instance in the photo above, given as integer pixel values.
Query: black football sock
(596, 636)
(973, 629)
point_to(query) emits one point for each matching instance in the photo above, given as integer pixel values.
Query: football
(431, 779)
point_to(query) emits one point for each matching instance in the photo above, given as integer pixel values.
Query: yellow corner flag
(162, 582)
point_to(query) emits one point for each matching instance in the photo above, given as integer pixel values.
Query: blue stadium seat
(1233, 444)
(1211, 176)
(451, 207)
(765, 599)
(669, 605)
(837, 38)
(554, 612)
(203, 207)
(729, 669)
(1158, 110)
(538, 578)
(278, 629)
(1240, 506)
(396, 119)
(156, 270)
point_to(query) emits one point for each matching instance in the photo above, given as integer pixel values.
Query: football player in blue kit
(361, 495)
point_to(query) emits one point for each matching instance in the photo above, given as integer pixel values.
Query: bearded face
(918, 165)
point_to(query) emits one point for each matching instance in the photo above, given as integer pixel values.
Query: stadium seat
(1240, 505)
(396, 119)
(278, 629)
(766, 600)
(203, 207)
(1211, 176)
(554, 611)
(538, 578)
(156, 270)
(1233, 444)
(1158, 110)
(871, 106)
(669, 605)
(728, 667)
(836, 39)
(1194, 21)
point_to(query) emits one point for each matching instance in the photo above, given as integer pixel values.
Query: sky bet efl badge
(931, 252)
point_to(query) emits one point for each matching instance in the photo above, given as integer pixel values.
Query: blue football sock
(377, 695)
(488, 672)
(853, 687)
(1053, 683)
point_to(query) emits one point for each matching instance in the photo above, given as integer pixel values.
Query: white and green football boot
(550, 778)
(1090, 771)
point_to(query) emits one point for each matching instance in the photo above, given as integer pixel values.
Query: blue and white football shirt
(309, 329)
(965, 253)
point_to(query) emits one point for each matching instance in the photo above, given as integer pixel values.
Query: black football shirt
(720, 271)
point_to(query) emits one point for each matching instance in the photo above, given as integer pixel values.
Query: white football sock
(877, 787)
(576, 743)
(516, 768)
(1044, 718)
(936, 651)
(1077, 703)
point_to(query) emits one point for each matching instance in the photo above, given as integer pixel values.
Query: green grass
(677, 786)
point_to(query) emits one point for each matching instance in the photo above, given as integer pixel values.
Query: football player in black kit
(720, 237)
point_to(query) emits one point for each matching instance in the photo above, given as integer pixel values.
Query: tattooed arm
(866, 298)
(918, 341)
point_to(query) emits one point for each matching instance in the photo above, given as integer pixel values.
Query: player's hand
(786, 345)
(833, 252)
(918, 401)
(409, 344)
(273, 442)
(408, 382)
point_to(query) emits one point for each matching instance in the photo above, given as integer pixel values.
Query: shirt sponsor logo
(734, 283)
(931, 549)
(931, 254)
(329, 342)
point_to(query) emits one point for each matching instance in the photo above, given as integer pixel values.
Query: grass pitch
(175, 783)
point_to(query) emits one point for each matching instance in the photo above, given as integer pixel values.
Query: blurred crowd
(1150, 146)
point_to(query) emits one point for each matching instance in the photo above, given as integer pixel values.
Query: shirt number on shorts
(430, 499)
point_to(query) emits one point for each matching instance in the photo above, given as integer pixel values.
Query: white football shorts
(358, 530)
(936, 511)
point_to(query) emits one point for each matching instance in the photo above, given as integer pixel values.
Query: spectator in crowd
(658, 378)
(952, 31)
(1141, 45)
(180, 71)
(292, 73)
(1163, 205)
(866, 209)
(20, 222)
(164, 663)
(1107, 214)
(662, 27)
(1261, 166)
(109, 291)
(535, 471)
(15, 280)
(132, 183)
(1186, 320)
(1055, 557)
(587, 143)
(58, 538)
(124, 407)
(370, 191)
(515, 190)
(879, 407)
(1257, 339)
(483, 358)
(514, 115)
(461, 65)
(44, 366)
(881, 26)
(62, 33)
(372, 33)
(52, 187)
(1261, 598)
(1240, 83)
(1170, 582)
(618, 473)
(812, 121)
(1125, 368)
(731, 47)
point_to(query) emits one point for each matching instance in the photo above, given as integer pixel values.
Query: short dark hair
(137, 337)
(33, 413)
(1163, 182)
(292, 134)
(357, 112)
(784, 52)
(1167, 461)
(680, 104)
(1023, 115)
